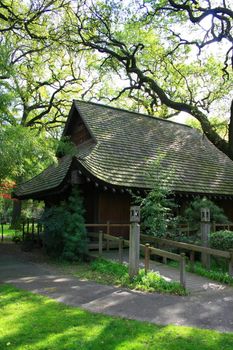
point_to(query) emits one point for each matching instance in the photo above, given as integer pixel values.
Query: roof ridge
(133, 112)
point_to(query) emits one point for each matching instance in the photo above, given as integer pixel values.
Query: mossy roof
(50, 179)
(127, 145)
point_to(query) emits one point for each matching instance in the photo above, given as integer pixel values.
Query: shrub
(54, 220)
(148, 282)
(65, 232)
(193, 212)
(222, 240)
(156, 207)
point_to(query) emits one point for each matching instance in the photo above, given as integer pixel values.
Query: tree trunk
(230, 132)
(15, 222)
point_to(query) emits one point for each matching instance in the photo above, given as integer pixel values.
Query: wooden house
(116, 150)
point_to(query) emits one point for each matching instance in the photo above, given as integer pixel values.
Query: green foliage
(214, 274)
(26, 158)
(222, 240)
(193, 212)
(156, 207)
(36, 84)
(54, 221)
(150, 282)
(65, 232)
(75, 239)
(111, 267)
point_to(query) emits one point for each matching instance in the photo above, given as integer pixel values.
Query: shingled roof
(126, 145)
(51, 178)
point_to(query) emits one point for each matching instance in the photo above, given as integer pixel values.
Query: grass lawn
(7, 232)
(33, 322)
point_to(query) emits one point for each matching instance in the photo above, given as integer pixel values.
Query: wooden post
(231, 263)
(164, 260)
(192, 260)
(27, 226)
(121, 243)
(147, 257)
(23, 230)
(2, 231)
(214, 226)
(205, 235)
(182, 270)
(100, 243)
(38, 231)
(33, 228)
(134, 241)
(108, 233)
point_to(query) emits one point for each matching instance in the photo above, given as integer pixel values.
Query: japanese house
(116, 150)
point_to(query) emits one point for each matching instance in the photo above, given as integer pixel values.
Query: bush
(193, 212)
(148, 282)
(54, 220)
(222, 240)
(65, 232)
(157, 207)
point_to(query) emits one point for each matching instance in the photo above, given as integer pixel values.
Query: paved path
(211, 308)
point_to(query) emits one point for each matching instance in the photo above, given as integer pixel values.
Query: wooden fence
(33, 227)
(28, 227)
(218, 227)
(120, 243)
(192, 248)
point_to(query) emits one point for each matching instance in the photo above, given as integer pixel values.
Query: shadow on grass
(31, 321)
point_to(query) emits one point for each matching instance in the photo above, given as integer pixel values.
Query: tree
(24, 153)
(193, 212)
(38, 76)
(36, 84)
(143, 47)
(24, 159)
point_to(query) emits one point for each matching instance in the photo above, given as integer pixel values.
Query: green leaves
(65, 232)
(24, 152)
(156, 207)
(193, 212)
(222, 240)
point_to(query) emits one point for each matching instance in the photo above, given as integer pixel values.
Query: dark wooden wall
(114, 207)
(227, 206)
(102, 206)
(79, 132)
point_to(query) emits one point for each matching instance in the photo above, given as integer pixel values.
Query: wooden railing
(31, 226)
(27, 227)
(218, 227)
(147, 250)
(192, 248)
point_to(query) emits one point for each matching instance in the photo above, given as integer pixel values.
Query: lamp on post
(205, 215)
(134, 240)
(134, 213)
(205, 235)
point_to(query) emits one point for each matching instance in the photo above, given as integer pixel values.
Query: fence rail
(148, 251)
(193, 248)
(228, 227)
